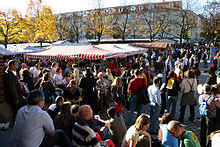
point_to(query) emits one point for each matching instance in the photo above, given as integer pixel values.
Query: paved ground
(193, 126)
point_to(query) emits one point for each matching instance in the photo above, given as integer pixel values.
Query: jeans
(154, 115)
(171, 102)
(204, 131)
(134, 104)
(60, 138)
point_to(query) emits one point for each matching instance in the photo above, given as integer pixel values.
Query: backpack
(143, 97)
(204, 108)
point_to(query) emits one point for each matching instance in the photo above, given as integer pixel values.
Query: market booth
(89, 52)
(153, 45)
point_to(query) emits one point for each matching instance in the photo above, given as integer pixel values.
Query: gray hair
(35, 96)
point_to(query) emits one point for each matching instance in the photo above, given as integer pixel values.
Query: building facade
(154, 21)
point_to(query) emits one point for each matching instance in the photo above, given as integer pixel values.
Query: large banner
(212, 54)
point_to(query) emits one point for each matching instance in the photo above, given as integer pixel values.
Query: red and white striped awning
(75, 52)
(96, 53)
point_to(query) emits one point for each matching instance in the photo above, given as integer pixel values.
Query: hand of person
(148, 137)
(107, 125)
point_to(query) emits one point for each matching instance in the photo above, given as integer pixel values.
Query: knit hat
(85, 112)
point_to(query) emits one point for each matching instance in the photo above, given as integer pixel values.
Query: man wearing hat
(82, 134)
(88, 83)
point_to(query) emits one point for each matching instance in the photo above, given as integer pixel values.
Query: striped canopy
(75, 52)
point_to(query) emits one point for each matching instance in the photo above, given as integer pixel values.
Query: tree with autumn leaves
(41, 22)
(11, 27)
(38, 25)
(98, 23)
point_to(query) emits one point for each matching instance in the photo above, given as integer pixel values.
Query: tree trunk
(41, 44)
(77, 38)
(123, 37)
(6, 43)
(134, 36)
(99, 38)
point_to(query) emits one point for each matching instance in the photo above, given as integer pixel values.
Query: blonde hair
(141, 121)
(108, 70)
(100, 74)
(116, 82)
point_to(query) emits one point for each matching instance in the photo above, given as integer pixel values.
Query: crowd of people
(57, 103)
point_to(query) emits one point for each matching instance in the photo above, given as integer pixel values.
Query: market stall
(153, 45)
(75, 52)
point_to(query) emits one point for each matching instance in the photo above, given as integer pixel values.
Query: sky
(61, 6)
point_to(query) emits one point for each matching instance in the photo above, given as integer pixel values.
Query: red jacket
(135, 85)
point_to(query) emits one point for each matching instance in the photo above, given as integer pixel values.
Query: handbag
(189, 97)
(143, 97)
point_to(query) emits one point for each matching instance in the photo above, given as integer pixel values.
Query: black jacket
(174, 90)
(12, 88)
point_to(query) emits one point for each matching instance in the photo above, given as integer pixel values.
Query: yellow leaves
(11, 26)
(42, 23)
(98, 22)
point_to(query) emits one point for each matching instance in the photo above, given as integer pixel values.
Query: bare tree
(184, 21)
(154, 20)
(121, 25)
(62, 28)
(211, 22)
(135, 22)
(76, 29)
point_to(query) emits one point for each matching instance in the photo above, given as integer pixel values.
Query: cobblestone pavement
(192, 126)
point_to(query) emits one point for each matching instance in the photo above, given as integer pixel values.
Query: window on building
(106, 10)
(121, 9)
(150, 7)
(141, 8)
(171, 5)
(133, 8)
(79, 13)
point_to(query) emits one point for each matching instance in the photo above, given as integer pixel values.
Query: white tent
(131, 49)
(5, 51)
(21, 49)
(122, 48)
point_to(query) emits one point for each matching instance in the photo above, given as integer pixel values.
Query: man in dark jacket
(12, 87)
(88, 83)
(212, 79)
(124, 78)
(159, 65)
